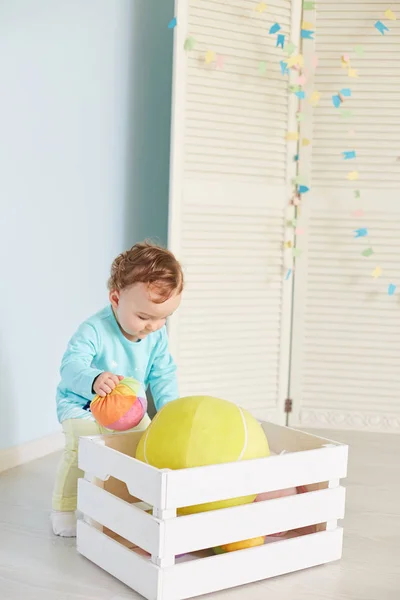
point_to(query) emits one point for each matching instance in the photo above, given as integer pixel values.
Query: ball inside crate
(123, 408)
(198, 431)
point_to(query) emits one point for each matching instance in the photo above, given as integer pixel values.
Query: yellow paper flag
(261, 7)
(389, 14)
(292, 136)
(307, 25)
(352, 176)
(315, 97)
(377, 272)
(305, 142)
(210, 56)
(295, 60)
(352, 73)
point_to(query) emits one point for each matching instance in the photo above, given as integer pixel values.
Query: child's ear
(114, 298)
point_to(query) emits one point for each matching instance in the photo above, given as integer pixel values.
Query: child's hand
(105, 383)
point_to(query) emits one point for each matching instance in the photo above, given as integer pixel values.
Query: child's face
(137, 314)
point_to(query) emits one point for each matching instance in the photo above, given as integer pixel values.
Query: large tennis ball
(198, 431)
(123, 408)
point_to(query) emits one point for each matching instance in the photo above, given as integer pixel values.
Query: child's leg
(66, 484)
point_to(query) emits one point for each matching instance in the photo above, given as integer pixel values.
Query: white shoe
(63, 523)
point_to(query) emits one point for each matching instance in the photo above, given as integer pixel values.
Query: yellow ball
(198, 431)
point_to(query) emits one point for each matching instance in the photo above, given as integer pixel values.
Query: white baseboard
(19, 455)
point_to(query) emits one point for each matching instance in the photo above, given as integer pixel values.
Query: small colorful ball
(123, 408)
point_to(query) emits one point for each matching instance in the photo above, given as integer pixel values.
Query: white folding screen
(346, 328)
(231, 171)
(230, 184)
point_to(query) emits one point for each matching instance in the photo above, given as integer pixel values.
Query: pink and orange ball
(123, 408)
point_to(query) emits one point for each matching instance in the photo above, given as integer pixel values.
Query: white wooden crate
(144, 550)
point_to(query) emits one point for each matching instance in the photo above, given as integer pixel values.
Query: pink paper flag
(358, 213)
(219, 63)
(314, 61)
(301, 80)
(346, 57)
(299, 231)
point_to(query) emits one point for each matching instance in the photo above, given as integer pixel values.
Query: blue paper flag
(391, 289)
(362, 232)
(381, 27)
(172, 23)
(300, 94)
(296, 157)
(336, 100)
(288, 274)
(275, 28)
(346, 92)
(306, 34)
(284, 68)
(280, 41)
(303, 189)
(348, 155)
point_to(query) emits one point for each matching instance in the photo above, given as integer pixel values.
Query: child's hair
(151, 264)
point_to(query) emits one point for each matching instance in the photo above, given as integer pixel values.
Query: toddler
(127, 338)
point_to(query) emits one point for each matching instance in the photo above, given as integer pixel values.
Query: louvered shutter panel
(346, 336)
(229, 193)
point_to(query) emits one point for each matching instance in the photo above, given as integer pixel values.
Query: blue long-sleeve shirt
(99, 345)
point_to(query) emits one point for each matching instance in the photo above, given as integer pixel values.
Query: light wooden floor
(34, 565)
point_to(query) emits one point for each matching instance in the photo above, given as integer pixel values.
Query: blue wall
(84, 153)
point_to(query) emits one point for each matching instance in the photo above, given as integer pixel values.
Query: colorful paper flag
(377, 272)
(381, 27)
(303, 189)
(284, 67)
(359, 50)
(296, 157)
(367, 252)
(300, 94)
(296, 252)
(299, 117)
(298, 59)
(302, 79)
(357, 194)
(346, 92)
(275, 28)
(353, 176)
(290, 48)
(306, 34)
(210, 57)
(348, 155)
(305, 142)
(292, 136)
(299, 231)
(358, 213)
(307, 25)
(309, 5)
(280, 41)
(389, 14)
(189, 43)
(346, 113)
(220, 61)
(172, 23)
(362, 232)
(288, 274)
(314, 61)
(391, 289)
(261, 7)
(352, 73)
(336, 100)
(262, 67)
(315, 97)
(345, 63)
